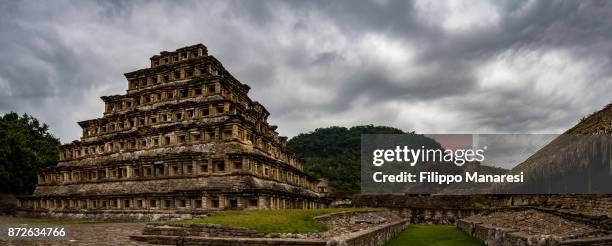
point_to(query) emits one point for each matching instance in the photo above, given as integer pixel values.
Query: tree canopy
(334, 152)
(26, 146)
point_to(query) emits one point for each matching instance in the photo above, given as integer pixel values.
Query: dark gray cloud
(428, 66)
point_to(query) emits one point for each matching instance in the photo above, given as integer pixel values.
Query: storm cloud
(424, 66)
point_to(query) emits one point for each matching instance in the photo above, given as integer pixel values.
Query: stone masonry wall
(502, 236)
(373, 237)
(446, 209)
(199, 230)
(177, 234)
(585, 202)
(169, 240)
(494, 236)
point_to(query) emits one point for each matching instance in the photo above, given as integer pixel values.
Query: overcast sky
(425, 66)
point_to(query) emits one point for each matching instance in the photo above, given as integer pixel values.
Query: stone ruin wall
(376, 236)
(495, 235)
(588, 211)
(185, 136)
(214, 234)
(448, 209)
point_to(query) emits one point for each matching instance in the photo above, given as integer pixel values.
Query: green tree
(26, 146)
(334, 152)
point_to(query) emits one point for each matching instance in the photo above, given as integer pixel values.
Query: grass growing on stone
(274, 221)
(437, 235)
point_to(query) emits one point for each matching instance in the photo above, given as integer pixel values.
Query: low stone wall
(436, 216)
(184, 241)
(450, 202)
(373, 237)
(592, 203)
(438, 209)
(494, 236)
(447, 209)
(503, 236)
(200, 235)
(199, 230)
(602, 222)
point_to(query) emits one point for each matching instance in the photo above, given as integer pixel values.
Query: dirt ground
(82, 234)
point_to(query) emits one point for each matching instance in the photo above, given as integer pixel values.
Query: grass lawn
(437, 235)
(270, 221)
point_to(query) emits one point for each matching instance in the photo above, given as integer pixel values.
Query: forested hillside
(334, 152)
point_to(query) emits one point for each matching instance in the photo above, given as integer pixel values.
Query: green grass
(274, 221)
(436, 235)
